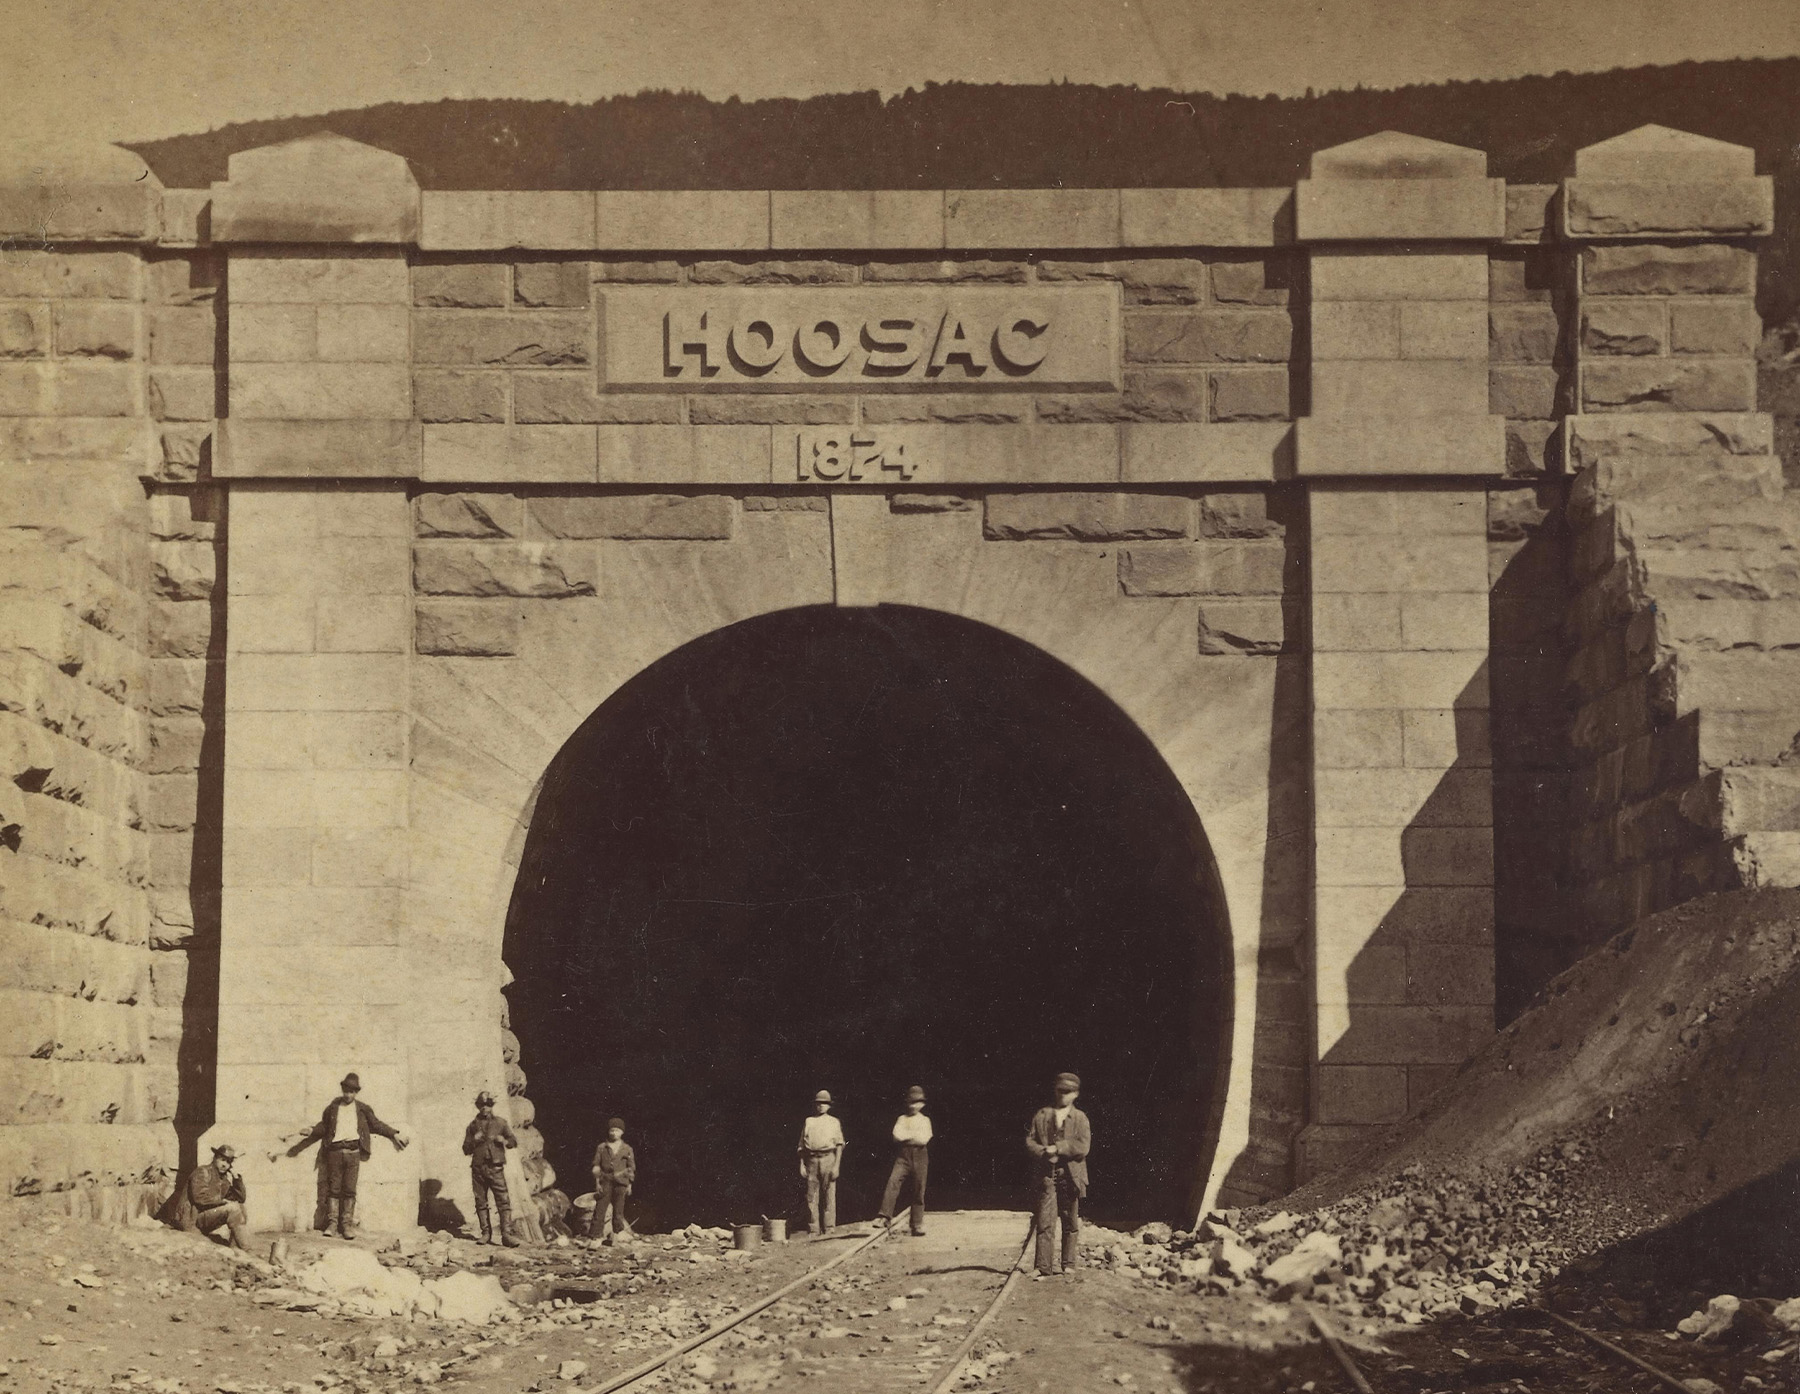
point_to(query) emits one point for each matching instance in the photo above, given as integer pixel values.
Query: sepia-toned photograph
(930, 698)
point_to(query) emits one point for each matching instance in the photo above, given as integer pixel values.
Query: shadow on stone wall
(197, 1058)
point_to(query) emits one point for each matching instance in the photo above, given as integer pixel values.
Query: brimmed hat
(350, 1083)
(1065, 1080)
(915, 1095)
(225, 1150)
(483, 1098)
(822, 1097)
(612, 1123)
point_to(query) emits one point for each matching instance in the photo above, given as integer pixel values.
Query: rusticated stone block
(468, 515)
(1529, 447)
(553, 284)
(1087, 517)
(445, 397)
(637, 516)
(1522, 333)
(24, 331)
(320, 391)
(1256, 281)
(1148, 396)
(511, 569)
(962, 409)
(182, 570)
(770, 273)
(1251, 394)
(1528, 211)
(1246, 627)
(1727, 328)
(783, 410)
(1625, 327)
(1238, 514)
(973, 269)
(1524, 392)
(1206, 568)
(67, 389)
(1146, 281)
(460, 285)
(1656, 269)
(1716, 207)
(1669, 385)
(182, 394)
(521, 340)
(183, 334)
(571, 399)
(33, 274)
(467, 628)
(637, 272)
(1218, 336)
(923, 503)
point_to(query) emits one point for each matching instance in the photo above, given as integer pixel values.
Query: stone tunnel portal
(858, 850)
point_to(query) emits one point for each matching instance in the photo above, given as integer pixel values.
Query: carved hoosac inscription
(863, 338)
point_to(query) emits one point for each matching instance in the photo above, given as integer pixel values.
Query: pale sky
(143, 69)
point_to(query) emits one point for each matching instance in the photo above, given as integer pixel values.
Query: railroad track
(941, 1376)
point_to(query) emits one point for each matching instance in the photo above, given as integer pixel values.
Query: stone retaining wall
(327, 528)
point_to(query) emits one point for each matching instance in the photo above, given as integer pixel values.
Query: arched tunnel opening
(859, 850)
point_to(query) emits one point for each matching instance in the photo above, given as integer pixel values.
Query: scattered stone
(571, 1369)
(1713, 1321)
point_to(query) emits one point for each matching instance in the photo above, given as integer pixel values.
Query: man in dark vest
(1059, 1138)
(343, 1132)
(215, 1196)
(485, 1142)
(615, 1173)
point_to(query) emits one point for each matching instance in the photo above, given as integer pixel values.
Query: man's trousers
(1057, 1199)
(609, 1209)
(821, 1189)
(342, 1163)
(910, 1165)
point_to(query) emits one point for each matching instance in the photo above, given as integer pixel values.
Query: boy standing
(912, 1134)
(821, 1153)
(615, 1169)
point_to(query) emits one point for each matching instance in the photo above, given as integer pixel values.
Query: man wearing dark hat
(615, 1171)
(912, 1135)
(821, 1152)
(485, 1143)
(1059, 1138)
(216, 1196)
(343, 1132)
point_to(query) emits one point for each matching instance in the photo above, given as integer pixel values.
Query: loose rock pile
(1405, 1250)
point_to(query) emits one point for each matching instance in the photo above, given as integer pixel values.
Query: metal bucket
(746, 1236)
(775, 1231)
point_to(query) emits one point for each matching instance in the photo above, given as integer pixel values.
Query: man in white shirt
(821, 1153)
(912, 1132)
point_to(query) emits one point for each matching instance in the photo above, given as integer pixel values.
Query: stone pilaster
(1398, 442)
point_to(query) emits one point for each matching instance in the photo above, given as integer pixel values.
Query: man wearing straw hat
(1059, 1137)
(912, 1135)
(821, 1153)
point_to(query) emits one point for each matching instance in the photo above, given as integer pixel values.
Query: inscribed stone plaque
(862, 338)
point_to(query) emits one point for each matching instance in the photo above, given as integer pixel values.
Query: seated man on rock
(215, 1196)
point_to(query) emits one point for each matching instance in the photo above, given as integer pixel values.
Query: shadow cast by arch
(861, 849)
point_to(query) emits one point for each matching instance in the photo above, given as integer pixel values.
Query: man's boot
(347, 1217)
(1071, 1248)
(506, 1234)
(331, 1215)
(487, 1226)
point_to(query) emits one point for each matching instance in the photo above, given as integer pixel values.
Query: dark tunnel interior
(859, 850)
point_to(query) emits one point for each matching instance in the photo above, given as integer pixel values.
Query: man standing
(343, 1132)
(912, 1134)
(821, 1153)
(485, 1143)
(1059, 1138)
(216, 1196)
(615, 1169)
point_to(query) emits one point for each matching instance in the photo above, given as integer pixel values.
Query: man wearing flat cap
(485, 1143)
(821, 1152)
(912, 1136)
(343, 1133)
(1059, 1138)
(215, 1196)
(615, 1172)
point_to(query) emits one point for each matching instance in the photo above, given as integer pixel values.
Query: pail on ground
(775, 1231)
(746, 1236)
